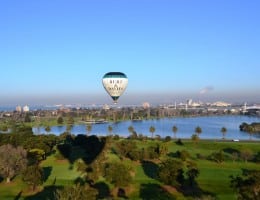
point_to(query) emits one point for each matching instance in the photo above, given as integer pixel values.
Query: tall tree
(192, 172)
(131, 129)
(12, 161)
(69, 127)
(89, 128)
(70, 120)
(223, 131)
(27, 118)
(47, 129)
(250, 131)
(60, 120)
(152, 130)
(132, 132)
(174, 130)
(195, 138)
(110, 129)
(33, 176)
(198, 131)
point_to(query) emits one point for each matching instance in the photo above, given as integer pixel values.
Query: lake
(210, 125)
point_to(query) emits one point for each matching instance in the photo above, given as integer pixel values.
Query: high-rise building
(18, 108)
(26, 108)
(146, 105)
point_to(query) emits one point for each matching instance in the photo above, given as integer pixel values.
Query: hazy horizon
(56, 52)
(126, 99)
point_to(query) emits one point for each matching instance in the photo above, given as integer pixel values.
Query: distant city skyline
(56, 52)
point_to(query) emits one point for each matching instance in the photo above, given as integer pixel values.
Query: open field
(214, 178)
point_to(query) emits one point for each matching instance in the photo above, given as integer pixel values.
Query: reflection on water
(211, 127)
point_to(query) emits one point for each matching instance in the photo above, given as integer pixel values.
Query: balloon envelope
(115, 84)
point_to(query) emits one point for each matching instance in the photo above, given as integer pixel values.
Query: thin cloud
(206, 90)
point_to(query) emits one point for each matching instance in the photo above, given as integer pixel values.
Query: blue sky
(56, 51)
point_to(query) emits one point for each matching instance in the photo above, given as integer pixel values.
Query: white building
(146, 105)
(221, 104)
(106, 107)
(26, 109)
(18, 108)
(189, 102)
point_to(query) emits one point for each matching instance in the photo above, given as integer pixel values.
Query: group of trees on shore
(250, 128)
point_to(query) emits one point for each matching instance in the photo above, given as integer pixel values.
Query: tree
(257, 157)
(70, 120)
(184, 155)
(35, 156)
(131, 129)
(223, 131)
(195, 138)
(250, 131)
(69, 127)
(89, 128)
(171, 172)
(247, 186)
(162, 149)
(218, 156)
(60, 120)
(110, 129)
(118, 174)
(47, 129)
(198, 130)
(246, 154)
(152, 130)
(124, 147)
(33, 176)
(4, 127)
(132, 132)
(234, 156)
(174, 130)
(192, 172)
(27, 118)
(167, 138)
(12, 161)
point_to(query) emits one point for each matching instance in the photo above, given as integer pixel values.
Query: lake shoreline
(211, 127)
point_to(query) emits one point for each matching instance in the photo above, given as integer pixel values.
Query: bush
(135, 155)
(116, 137)
(183, 155)
(171, 172)
(217, 157)
(257, 157)
(167, 139)
(118, 174)
(179, 142)
(3, 128)
(200, 156)
(36, 156)
(60, 120)
(246, 154)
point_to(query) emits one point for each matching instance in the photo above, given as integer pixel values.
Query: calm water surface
(211, 126)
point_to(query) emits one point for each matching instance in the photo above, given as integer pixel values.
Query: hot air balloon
(115, 84)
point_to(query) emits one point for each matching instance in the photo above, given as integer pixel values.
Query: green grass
(8, 191)
(59, 172)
